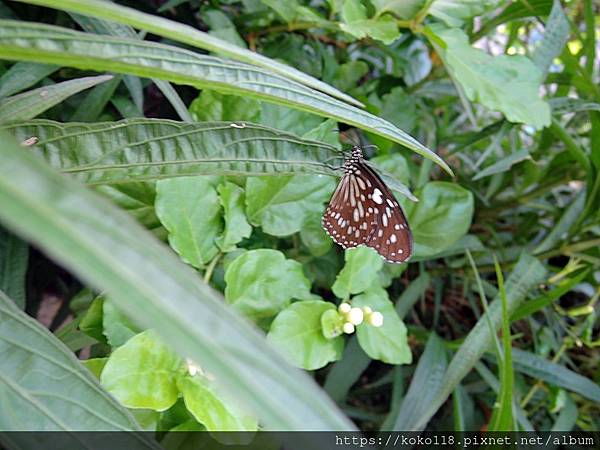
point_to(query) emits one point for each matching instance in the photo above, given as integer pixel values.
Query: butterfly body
(363, 211)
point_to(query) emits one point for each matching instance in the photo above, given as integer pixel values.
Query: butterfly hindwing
(363, 210)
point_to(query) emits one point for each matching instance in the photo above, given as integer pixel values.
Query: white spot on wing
(377, 196)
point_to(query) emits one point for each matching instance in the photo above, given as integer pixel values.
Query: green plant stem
(211, 267)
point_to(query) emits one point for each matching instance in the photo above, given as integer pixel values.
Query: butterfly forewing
(340, 220)
(363, 210)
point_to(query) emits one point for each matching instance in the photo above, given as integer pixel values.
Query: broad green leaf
(556, 35)
(399, 108)
(186, 34)
(222, 27)
(260, 283)
(332, 323)
(32, 103)
(359, 272)
(23, 75)
(404, 9)
(504, 164)
(314, 237)
(14, 258)
(45, 387)
(454, 12)
(386, 343)
(189, 209)
(348, 74)
(508, 84)
(442, 206)
(149, 149)
(142, 373)
(426, 381)
(297, 333)
(117, 328)
(279, 205)
(383, 28)
(106, 249)
(231, 197)
(92, 321)
(291, 120)
(395, 164)
(211, 408)
(95, 365)
(292, 11)
(211, 106)
(527, 273)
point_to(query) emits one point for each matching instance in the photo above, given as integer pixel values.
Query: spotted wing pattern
(363, 211)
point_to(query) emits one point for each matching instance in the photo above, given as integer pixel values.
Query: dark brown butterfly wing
(363, 210)
(390, 235)
(344, 220)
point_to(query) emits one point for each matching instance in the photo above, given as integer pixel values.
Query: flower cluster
(355, 316)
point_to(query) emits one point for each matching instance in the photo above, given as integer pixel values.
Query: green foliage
(509, 84)
(298, 334)
(443, 206)
(189, 209)
(260, 283)
(386, 343)
(192, 268)
(359, 272)
(279, 205)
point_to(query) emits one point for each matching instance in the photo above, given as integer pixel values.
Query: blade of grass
(110, 252)
(503, 417)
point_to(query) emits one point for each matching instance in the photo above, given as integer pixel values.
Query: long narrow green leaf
(424, 386)
(50, 44)
(32, 103)
(148, 149)
(503, 417)
(133, 83)
(110, 252)
(14, 257)
(527, 273)
(23, 75)
(186, 34)
(90, 109)
(556, 35)
(44, 386)
(537, 367)
(346, 371)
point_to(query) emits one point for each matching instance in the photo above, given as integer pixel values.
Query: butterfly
(363, 211)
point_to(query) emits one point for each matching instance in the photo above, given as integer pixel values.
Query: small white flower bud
(355, 316)
(376, 319)
(367, 310)
(348, 328)
(192, 367)
(344, 308)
